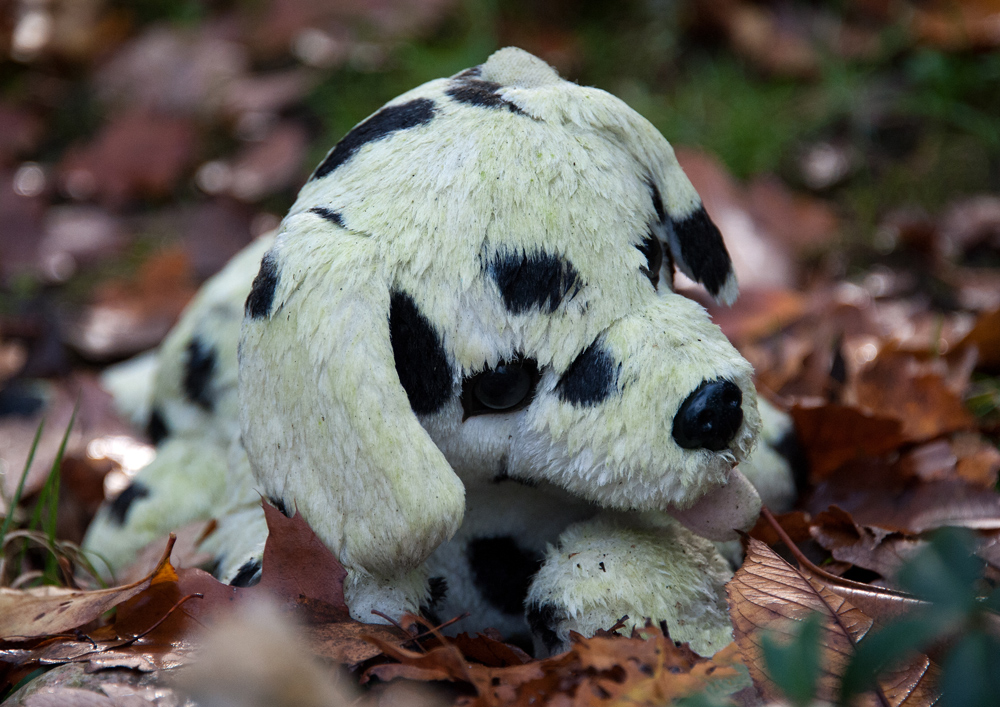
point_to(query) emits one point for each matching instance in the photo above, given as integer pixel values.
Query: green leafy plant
(960, 621)
(795, 666)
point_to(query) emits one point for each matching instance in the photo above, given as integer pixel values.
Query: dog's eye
(506, 388)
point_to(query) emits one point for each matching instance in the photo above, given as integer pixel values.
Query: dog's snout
(710, 416)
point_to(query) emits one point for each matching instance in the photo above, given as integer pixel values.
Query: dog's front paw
(611, 567)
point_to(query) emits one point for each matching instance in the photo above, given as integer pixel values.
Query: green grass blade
(9, 519)
(48, 502)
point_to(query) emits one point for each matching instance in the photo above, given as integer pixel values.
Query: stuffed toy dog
(462, 362)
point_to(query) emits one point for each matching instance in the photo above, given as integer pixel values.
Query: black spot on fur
(385, 122)
(471, 73)
(438, 587)
(543, 619)
(123, 502)
(248, 575)
(653, 250)
(421, 362)
(502, 571)
(661, 215)
(156, 428)
(591, 378)
(199, 364)
(279, 503)
(261, 295)
(538, 280)
(480, 93)
(702, 249)
(330, 215)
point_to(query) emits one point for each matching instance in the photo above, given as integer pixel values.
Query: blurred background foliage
(875, 104)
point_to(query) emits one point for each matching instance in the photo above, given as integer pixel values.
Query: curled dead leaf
(768, 594)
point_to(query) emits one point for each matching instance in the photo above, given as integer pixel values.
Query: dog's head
(477, 280)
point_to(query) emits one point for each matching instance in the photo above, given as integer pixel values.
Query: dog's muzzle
(710, 417)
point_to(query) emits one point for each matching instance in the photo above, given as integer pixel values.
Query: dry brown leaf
(913, 507)
(796, 525)
(978, 461)
(897, 385)
(759, 312)
(956, 26)
(768, 594)
(138, 154)
(129, 316)
(646, 669)
(870, 547)
(30, 613)
(833, 434)
(985, 336)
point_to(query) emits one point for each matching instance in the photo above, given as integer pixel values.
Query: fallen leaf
(957, 26)
(129, 316)
(269, 165)
(870, 547)
(985, 336)
(139, 154)
(796, 525)
(897, 385)
(758, 313)
(768, 594)
(30, 613)
(776, 44)
(914, 507)
(173, 70)
(759, 260)
(95, 417)
(834, 434)
(978, 460)
(645, 669)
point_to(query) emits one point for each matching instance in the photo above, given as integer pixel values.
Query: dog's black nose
(710, 416)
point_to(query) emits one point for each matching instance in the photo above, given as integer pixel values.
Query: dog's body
(459, 362)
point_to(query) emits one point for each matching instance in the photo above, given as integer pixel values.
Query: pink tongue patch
(719, 514)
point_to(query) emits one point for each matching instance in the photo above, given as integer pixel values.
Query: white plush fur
(327, 428)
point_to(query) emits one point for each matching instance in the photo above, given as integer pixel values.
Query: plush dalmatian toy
(463, 363)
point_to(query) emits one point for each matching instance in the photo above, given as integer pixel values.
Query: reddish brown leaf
(913, 507)
(985, 336)
(129, 316)
(760, 260)
(298, 565)
(978, 461)
(795, 523)
(917, 394)
(759, 312)
(833, 434)
(138, 154)
(872, 548)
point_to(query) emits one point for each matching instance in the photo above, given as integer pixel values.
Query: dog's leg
(648, 567)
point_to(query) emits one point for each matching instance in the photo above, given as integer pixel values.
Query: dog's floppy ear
(328, 426)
